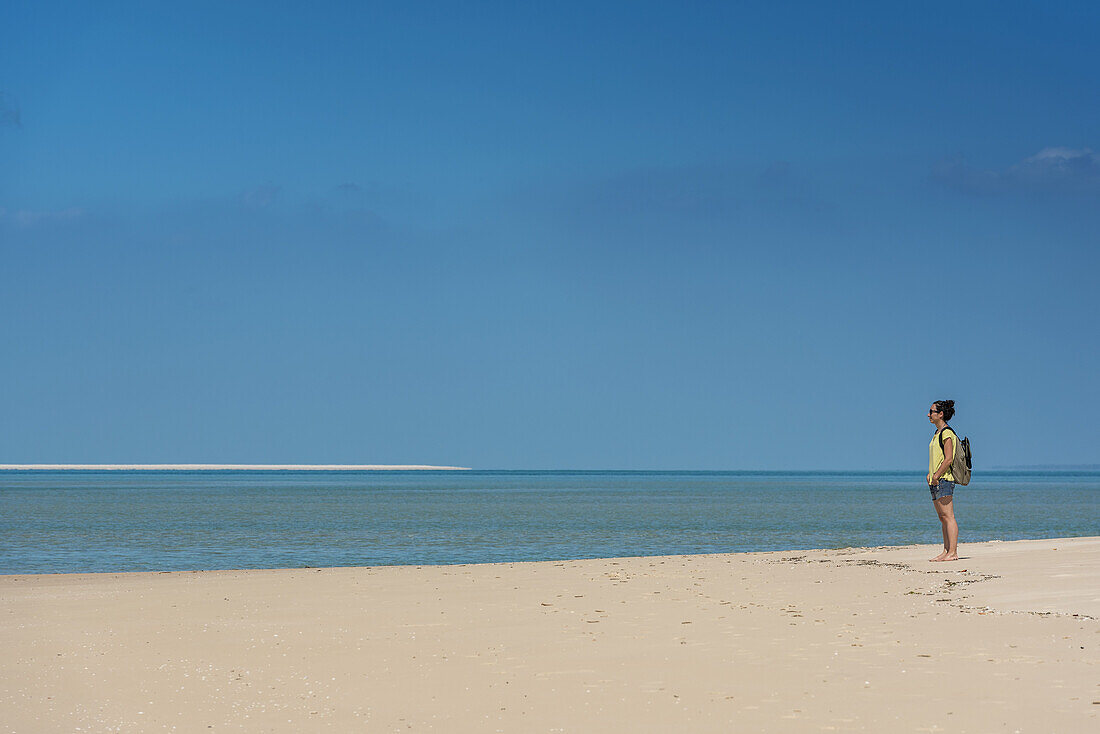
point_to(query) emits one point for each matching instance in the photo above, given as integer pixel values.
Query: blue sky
(637, 236)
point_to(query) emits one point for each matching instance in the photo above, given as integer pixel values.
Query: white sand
(869, 640)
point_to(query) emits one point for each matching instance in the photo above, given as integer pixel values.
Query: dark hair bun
(948, 407)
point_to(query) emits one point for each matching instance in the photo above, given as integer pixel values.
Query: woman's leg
(943, 528)
(946, 510)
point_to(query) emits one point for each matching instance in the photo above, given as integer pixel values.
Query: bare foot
(946, 558)
(940, 557)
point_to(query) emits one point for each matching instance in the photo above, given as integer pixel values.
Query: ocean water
(64, 522)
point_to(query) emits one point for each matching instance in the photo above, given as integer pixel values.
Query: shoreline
(855, 639)
(947, 565)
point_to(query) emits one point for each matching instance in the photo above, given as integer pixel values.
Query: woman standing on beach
(941, 483)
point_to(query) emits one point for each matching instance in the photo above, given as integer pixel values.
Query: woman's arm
(948, 455)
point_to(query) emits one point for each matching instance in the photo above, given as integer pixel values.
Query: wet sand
(870, 640)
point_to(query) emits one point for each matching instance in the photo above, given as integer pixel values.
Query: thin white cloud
(261, 197)
(1060, 163)
(31, 218)
(1051, 169)
(9, 112)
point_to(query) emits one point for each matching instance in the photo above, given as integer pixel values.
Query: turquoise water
(59, 522)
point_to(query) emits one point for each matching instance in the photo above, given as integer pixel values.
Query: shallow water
(62, 522)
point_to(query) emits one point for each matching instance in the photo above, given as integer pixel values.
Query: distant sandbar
(227, 467)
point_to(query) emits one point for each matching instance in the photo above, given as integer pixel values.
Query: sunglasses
(930, 411)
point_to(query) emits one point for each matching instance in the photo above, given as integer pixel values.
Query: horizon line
(430, 467)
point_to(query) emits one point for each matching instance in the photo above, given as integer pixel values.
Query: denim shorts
(943, 489)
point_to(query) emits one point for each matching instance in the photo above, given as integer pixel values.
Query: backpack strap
(939, 435)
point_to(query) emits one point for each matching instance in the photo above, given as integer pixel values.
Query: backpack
(961, 460)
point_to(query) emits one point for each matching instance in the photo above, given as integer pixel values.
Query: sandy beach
(875, 640)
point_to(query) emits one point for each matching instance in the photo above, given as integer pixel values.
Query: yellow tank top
(935, 453)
